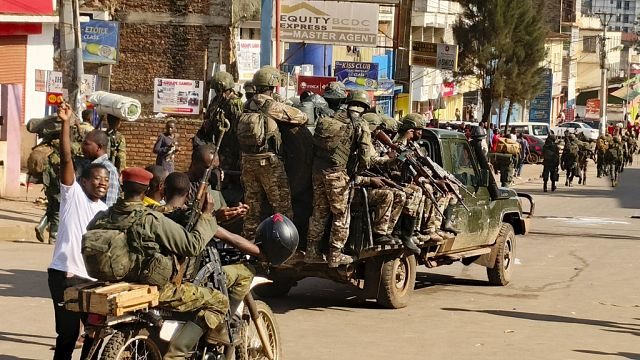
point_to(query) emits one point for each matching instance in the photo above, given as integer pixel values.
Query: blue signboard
(100, 40)
(357, 75)
(540, 108)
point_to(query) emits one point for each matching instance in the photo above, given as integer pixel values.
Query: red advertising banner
(448, 89)
(313, 83)
(592, 109)
(27, 7)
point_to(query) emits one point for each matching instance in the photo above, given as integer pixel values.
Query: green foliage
(502, 44)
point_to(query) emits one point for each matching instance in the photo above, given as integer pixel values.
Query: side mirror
(484, 177)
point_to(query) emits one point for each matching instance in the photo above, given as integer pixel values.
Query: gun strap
(182, 268)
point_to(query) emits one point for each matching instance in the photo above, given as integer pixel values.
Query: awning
(581, 99)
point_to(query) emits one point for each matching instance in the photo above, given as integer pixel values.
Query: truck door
(473, 224)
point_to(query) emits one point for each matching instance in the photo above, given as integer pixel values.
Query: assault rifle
(408, 155)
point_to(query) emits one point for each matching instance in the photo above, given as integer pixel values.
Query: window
(540, 130)
(626, 5)
(625, 29)
(625, 18)
(589, 44)
(462, 163)
(618, 4)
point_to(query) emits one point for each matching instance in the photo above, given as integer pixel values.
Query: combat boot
(380, 239)
(313, 254)
(435, 236)
(41, 227)
(408, 224)
(553, 186)
(337, 258)
(184, 341)
(219, 335)
(544, 187)
(447, 224)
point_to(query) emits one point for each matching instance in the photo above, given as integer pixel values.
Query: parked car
(540, 130)
(535, 149)
(575, 127)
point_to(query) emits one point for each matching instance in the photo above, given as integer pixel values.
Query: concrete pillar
(10, 140)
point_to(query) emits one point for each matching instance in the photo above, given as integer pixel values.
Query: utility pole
(604, 93)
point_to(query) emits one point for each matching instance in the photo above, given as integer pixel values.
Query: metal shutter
(13, 67)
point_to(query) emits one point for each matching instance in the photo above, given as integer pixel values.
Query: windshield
(587, 126)
(540, 130)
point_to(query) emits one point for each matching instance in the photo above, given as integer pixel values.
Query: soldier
(569, 160)
(170, 239)
(225, 108)
(550, 162)
(259, 138)
(117, 148)
(613, 160)
(315, 106)
(342, 145)
(249, 91)
(335, 94)
(601, 149)
(632, 145)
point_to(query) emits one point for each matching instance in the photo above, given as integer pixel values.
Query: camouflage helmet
(412, 121)
(335, 90)
(359, 96)
(249, 87)
(616, 139)
(268, 76)
(372, 119)
(222, 81)
(571, 137)
(390, 123)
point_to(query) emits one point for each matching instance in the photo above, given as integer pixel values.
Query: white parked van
(539, 130)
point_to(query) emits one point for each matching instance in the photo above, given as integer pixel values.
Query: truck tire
(500, 274)
(397, 280)
(279, 287)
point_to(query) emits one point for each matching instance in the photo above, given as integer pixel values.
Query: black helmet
(278, 238)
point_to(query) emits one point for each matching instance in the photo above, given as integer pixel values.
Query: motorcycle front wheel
(251, 347)
(130, 345)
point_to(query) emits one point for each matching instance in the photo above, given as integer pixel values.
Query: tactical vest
(122, 251)
(333, 140)
(258, 132)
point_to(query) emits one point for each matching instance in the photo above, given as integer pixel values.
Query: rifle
(194, 216)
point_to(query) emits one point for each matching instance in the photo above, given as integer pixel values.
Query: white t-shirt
(76, 211)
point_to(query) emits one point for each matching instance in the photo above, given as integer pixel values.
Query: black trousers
(67, 322)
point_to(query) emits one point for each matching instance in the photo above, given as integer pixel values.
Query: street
(574, 294)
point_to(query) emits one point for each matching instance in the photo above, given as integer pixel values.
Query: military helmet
(222, 81)
(551, 137)
(335, 90)
(412, 121)
(390, 123)
(249, 87)
(359, 96)
(571, 137)
(372, 119)
(616, 139)
(268, 76)
(278, 238)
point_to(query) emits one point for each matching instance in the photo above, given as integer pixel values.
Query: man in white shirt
(79, 202)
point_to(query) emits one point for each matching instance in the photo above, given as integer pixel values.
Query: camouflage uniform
(330, 179)
(263, 172)
(550, 162)
(117, 149)
(613, 160)
(210, 305)
(569, 159)
(601, 149)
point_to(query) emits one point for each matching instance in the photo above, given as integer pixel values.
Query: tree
(526, 56)
(501, 43)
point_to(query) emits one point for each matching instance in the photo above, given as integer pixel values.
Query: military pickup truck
(387, 273)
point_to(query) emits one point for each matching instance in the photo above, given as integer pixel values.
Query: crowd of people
(259, 157)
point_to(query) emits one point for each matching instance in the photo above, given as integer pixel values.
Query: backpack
(572, 151)
(333, 140)
(38, 160)
(255, 130)
(115, 251)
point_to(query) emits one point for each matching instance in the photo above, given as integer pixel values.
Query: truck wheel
(278, 288)
(500, 274)
(397, 280)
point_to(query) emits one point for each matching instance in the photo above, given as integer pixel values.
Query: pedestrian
(94, 148)
(249, 91)
(458, 115)
(524, 154)
(513, 135)
(166, 147)
(80, 201)
(550, 162)
(117, 148)
(155, 193)
(260, 141)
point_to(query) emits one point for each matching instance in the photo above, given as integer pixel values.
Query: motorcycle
(145, 334)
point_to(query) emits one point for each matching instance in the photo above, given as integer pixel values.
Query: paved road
(574, 295)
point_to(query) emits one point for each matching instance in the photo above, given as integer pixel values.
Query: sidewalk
(19, 216)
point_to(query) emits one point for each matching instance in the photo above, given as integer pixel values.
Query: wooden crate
(110, 299)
